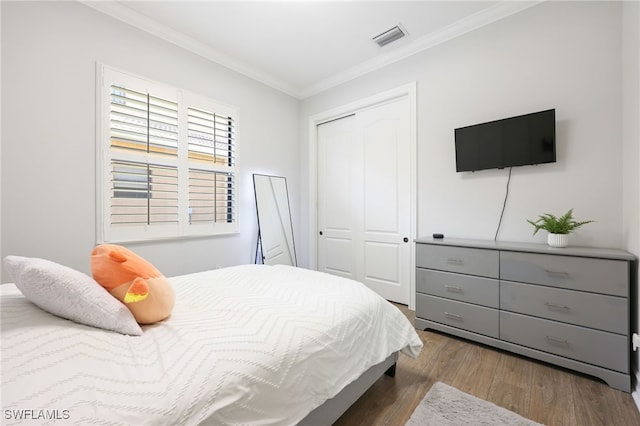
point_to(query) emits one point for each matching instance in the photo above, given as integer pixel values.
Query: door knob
(405, 239)
(320, 232)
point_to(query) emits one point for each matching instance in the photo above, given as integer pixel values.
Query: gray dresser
(566, 306)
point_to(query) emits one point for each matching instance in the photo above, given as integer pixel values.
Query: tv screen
(516, 141)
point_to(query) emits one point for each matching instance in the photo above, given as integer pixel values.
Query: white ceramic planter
(558, 240)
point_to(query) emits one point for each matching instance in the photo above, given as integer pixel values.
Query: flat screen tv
(516, 141)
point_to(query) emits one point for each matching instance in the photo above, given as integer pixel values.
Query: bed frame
(332, 409)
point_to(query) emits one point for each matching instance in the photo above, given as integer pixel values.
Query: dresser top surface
(596, 252)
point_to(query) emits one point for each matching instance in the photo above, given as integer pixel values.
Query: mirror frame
(273, 207)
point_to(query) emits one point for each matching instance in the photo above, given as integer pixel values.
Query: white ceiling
(304, 47)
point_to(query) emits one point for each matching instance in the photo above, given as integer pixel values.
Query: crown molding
(472, 22)
(485, 17)
(143, 23)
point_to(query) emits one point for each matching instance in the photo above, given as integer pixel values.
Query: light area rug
(445, 405)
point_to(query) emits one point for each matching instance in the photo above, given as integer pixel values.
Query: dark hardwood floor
(538, 391)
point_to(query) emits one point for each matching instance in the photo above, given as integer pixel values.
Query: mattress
(250, 344)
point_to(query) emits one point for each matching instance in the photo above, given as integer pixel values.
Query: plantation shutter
(168, 164)
(144, 152)
(211, 153)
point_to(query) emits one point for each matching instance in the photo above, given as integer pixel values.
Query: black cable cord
(495, 238)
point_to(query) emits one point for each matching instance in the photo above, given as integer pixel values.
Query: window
(166, 164)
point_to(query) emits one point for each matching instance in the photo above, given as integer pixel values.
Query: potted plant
(558, 228)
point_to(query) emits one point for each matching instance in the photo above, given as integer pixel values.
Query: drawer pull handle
(557, 274)
(552, 305)
(552, 339)
(453, 316)
(453, 289)
(455, 261)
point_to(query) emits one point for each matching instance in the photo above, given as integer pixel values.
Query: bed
(249, 344)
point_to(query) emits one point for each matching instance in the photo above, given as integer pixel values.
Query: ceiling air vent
(389, 36)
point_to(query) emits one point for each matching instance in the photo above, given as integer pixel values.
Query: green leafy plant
(557, 225)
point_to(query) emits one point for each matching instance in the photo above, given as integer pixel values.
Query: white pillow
(70, 294)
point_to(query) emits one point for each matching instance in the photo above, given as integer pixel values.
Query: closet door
(364, 198)
(338, 211)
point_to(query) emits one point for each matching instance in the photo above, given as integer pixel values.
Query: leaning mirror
(275, 231)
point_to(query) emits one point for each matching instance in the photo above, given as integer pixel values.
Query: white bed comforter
(252, 344)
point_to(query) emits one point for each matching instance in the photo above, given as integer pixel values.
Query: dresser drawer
(477, 319)
(464, 288)
(578, 273)
(458, 259)
(608, 313)
(583, 344)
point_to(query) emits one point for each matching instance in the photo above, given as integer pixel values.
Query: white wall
(631, 145)
(563, 55)
(49, 55)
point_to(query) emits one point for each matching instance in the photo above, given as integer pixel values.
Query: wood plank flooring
(538, 391)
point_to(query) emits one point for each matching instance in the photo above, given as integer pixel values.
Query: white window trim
(105, 233)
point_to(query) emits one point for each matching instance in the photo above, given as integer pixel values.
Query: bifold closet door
(364, 198)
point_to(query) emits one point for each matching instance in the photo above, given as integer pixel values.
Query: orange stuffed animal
(133, 281)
